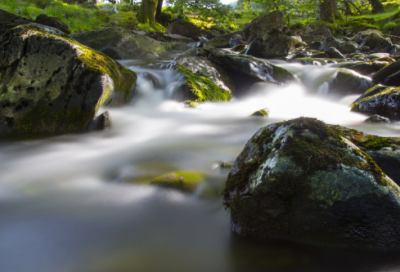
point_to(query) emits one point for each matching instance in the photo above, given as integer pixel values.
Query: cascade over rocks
(185, 29)
(9, 20)
(303, 180)
(260, 26)
(247, 70)
(120, 43)
(273, 45)
(52, 85)
(53, 22)
(349, 82)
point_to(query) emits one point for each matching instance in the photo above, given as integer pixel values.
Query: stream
(68, 203)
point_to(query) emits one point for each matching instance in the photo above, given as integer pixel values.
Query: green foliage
(124, 19)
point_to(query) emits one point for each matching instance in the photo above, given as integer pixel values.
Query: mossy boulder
(377, 43)
(120, 43)
(385, 103)
(365, 68)
(265, 24)
(261, 113)
(9, 20)
(349, 82)
(52, 85)
(198, 88)
(303, 180)
(185, 29)
(246, 70)
(271, 46)
(124, 19)
(348, 47)
(185, 181)
(201, 66)
(389, 75)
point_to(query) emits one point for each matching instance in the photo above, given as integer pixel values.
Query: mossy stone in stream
(261, 113)
(199, 88)
(303, 180)
(51, 85)
(185, 181)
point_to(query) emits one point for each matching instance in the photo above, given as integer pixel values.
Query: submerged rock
(302, 180)
(52, 85)
(246, 70)
(385, 103)
(120, 43)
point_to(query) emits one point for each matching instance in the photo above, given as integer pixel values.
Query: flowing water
(68, 203)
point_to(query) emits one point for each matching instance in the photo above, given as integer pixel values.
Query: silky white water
(66, 203)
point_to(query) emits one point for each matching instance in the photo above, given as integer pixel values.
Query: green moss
(186, 181)
(203, 88)
(124, 19)
(261, 113)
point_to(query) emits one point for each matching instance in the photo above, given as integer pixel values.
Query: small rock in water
(101, 122)
(261, 113)
(303, 180)
(377, 119)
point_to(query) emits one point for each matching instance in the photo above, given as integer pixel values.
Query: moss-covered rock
(389, 75)
(303, 180)
(121, 43)
(349, 82)
(385, 103)
(185, 181)
(52, 85)
(198, 88)
(348, 47)
(261, 113)
(365, 68)
(239, 47)
(246, 70)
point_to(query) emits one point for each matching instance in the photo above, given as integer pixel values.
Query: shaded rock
(184, 29)
(261, 113)
(301, 180)
(360, 36)
(320, 55)
(273, 46)
(120, 43)
(395, 31)
(219, 42)
(316, 46)
(318, 35)
(330, 42)
(9, 20)
(365, 68)
(101, 122)
(365, 49)
(385, 103)
(349, 82)
(53, 22)
(159, 36)
(239, 47)
(164, 19)
(198, 88)
(235, 40)
(245, 70)
(334, 53)
(370, 92)
(269, 22)
(52, 85)
(348, 47)
(377, 43)
(389, 75)
(202, 66)
(376, 119)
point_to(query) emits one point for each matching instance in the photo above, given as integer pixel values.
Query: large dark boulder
(120, 43)
(318, 35)
(389, 75)
(260, 26)
(385, 103)
(302, 180)
(9, 20)
(349, 82)
(273, 45)
(52, 85)
(246, 70)
(185, 29)
(53, 22)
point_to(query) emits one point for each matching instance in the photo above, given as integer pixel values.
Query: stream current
(66, 203)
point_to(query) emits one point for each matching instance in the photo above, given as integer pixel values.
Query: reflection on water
(65, 205)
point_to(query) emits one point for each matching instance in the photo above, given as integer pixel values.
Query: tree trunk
(147, 12)
(158, 12)
(348, 9)
(328, 10)
(377, 6)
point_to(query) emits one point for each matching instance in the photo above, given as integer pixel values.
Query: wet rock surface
(303, 180)
(349, 82)
(52, 85)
